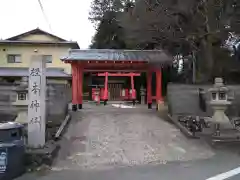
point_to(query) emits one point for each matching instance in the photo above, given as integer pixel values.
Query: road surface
(112, 143)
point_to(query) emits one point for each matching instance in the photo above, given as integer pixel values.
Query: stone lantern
(219, 101)
(143, 94)
(21, 102)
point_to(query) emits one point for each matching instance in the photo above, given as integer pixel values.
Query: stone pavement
(107, 137)
(103, 142)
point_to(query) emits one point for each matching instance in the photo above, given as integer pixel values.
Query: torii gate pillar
(77, 84)
(159, 98)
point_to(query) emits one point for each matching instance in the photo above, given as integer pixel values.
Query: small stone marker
(37, 103)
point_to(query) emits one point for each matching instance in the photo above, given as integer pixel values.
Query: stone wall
(58, 97)
(7, 96)
(184, 99)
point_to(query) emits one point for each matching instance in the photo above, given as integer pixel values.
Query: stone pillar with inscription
(37, 102)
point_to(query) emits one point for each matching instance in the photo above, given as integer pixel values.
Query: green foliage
(100, 7)
(183, 27)
(179, 26)
(109, 34)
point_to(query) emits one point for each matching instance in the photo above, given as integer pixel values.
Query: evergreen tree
(109, 34)
(185, 26)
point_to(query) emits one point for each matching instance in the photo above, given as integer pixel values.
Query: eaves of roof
(151, 56)
(22, 72)
(72, 44)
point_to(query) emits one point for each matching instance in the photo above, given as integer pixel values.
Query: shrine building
(115, 75)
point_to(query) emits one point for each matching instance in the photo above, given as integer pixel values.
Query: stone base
(159, 106)
(134, 102)
(45, 155)
(149, 105)
(79, 106)
(74, 107)
(105, 102)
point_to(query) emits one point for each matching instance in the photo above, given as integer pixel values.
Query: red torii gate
(107, 61)
(131, 75)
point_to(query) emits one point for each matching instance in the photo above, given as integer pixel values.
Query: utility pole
(45, 15)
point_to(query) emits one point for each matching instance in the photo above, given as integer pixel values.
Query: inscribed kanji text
(36, 89)
(36, 120)
(35, 104)
(35, 72)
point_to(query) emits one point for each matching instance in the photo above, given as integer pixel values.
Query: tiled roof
(152, 56)
(34, 31)
(58, 41)
(21, 72)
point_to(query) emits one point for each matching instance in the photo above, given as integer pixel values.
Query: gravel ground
(108, 138)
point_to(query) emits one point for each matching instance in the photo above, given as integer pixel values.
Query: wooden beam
(114, 70)
(120, 74)
(105, 62)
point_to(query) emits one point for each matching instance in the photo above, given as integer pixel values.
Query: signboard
(3, 161)
(37, 104)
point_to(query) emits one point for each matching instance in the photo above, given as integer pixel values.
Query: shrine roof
(151, 56)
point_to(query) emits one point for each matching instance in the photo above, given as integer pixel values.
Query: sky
(68, 19)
